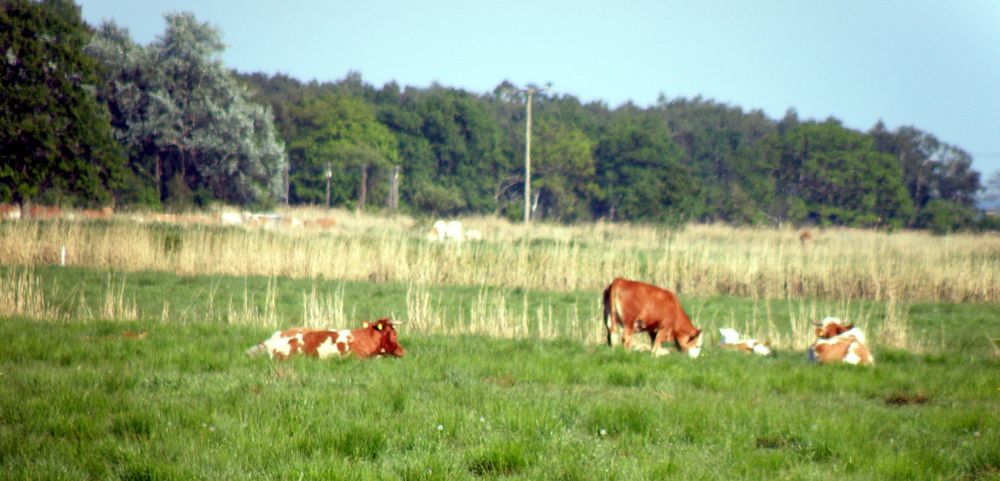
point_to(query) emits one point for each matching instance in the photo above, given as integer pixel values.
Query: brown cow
(805, 237)
(837, 342)
(638, 306)
(104, 213)
(375, 339)
(831, 327)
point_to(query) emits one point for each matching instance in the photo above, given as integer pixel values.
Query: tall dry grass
(22, 295)
(700, 260)
(493, 312)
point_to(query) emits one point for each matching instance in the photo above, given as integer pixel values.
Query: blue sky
(934, 65)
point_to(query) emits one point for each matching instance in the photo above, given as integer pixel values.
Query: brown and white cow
(375, 339)
(837, 342)
(730, 339)
(644, 307)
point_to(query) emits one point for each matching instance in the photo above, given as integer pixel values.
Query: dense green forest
(92, 118)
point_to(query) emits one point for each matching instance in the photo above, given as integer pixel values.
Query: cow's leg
(627, 330)
(662, 335)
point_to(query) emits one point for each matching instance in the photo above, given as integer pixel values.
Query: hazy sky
(934, 65)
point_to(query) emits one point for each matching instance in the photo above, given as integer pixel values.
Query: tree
(839, 177)
(183, 115)
(640, 172)
(992, 188)
(724, 149)
(944, 216)
(122, 74)
(56, 144)
(342, 132)
(453, 161)
(563, 171)
(931, 169)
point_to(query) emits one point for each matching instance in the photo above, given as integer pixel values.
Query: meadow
(128, 363)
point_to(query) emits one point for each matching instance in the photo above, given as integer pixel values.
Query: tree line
(91, 117)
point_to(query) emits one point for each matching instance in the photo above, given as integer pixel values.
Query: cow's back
(654, 306)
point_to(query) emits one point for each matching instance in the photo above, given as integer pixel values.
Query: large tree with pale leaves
(189, 127)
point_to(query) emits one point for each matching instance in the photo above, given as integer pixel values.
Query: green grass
(80, 401)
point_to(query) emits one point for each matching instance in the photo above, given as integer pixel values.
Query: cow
(731, 340)
(43, 212)
(644, 307)
(447, 230)
(832, 326)
(837, 342)
(104, 213)
(10, 212)
(805, 237)
(373, 339)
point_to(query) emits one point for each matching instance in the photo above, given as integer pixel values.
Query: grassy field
(81, 401)
(701, 260)
(505, 376)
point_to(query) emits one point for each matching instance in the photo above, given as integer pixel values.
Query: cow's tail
(609, 314)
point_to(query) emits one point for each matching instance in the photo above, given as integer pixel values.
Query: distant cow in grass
(376, 339)
(447, 230)
(839, 342)
(644, 307)
(10, 211)
(805, 237)
(731, 340)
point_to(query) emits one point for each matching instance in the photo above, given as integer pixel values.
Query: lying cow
(731, 340)
(375, 339)
(644, 307)
(837, 342)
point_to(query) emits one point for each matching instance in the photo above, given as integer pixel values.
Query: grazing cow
(638, 306)
(836, 342)
(375, 339)
(731, 340)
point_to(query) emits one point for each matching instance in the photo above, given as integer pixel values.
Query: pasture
(125, 366)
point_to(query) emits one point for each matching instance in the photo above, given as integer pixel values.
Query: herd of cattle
(629, 305)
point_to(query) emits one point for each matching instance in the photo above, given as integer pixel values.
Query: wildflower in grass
(603, 432)
(440, 427)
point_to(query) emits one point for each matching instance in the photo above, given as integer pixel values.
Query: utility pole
(527, 162)
(394, 189)
(531, 91)
(329, 174)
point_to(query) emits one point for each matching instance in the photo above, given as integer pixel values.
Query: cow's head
(388, 339)
(832, 327)
(690, 343)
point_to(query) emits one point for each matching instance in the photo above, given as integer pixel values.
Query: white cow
(447, 230)
(731, 340)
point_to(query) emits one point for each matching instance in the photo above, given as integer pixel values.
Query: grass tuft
(502, 459)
